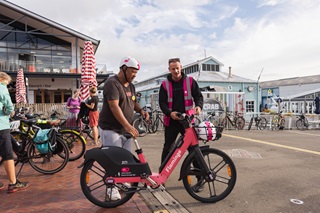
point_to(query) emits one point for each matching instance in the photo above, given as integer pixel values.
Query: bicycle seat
(29, 122)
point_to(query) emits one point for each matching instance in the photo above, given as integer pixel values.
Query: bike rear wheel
(53, 161)
(75, 142)
(239, 123)
(224, 172)
(302, 124)
(97, 191)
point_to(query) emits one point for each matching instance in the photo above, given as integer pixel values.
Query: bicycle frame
(126, 173)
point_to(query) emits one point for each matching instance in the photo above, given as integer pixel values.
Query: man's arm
(117, 112)
(139, 109)
(163, 101)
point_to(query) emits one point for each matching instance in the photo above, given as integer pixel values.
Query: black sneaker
(18, 186)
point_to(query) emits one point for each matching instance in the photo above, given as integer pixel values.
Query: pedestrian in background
(92, 104)
(73, 106)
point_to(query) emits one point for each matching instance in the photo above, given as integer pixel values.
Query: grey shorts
(112, 138)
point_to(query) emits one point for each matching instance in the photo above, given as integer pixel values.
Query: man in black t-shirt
(119, 104)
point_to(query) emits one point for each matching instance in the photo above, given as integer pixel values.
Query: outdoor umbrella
(20, 88)
(88, 70)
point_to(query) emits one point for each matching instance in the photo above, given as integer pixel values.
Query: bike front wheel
(302, 124)
(51, 162)
(141, 126)
(200, 187)
(75, 142)
(250, 123)
(262, 124)
(98, 191)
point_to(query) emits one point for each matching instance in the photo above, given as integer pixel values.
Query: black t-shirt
(115, 90)
(95, 100)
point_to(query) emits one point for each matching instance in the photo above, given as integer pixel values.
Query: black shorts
(5, 145)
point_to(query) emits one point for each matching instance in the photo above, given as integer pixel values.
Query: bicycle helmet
(130, 62)
(206, 131)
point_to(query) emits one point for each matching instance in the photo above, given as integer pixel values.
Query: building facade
(48, 52)
(298, 95)
(234, 93)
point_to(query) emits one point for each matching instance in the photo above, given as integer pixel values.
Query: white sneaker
(113, 194)
(126, 184)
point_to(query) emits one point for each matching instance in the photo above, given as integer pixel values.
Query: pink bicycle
(111, 175)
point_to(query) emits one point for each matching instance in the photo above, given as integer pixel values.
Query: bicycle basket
(208, 132)
(45, 140)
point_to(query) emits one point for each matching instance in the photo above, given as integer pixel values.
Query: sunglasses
(174, 60)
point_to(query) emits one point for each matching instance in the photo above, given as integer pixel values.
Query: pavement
(60, 192)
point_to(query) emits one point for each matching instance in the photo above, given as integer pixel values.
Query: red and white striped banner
(20, 88)
(88, 70)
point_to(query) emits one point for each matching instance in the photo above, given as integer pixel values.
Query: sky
(275, 38)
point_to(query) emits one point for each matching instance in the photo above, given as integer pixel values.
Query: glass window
(204, 67)
(249, 106)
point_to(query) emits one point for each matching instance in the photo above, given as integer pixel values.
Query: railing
(46, 109)
(33, 66)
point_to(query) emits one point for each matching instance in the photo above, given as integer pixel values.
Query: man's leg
(170, 134)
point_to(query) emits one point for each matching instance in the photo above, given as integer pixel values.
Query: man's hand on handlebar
(176, 116)
(133, 131)
(197, 110)
(145, 115)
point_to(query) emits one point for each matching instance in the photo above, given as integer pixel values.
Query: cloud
(279, 35)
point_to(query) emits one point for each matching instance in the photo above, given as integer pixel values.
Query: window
(204, 67)
(249, 106)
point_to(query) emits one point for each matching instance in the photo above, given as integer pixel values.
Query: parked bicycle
(278, 122)
(208, 174)
(302, 123)
(158, 123)
(236, 120)
(74, 140)
(47, 157)
(260, 122)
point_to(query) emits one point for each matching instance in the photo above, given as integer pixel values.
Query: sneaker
(198, 188)
(124, 186)
(18, 186)
(1, 185)
(113, 194)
